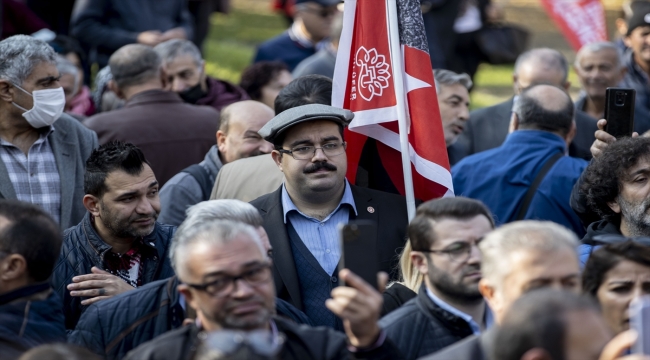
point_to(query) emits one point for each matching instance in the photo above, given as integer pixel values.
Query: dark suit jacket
(472, 348)
(388, 212)
(72, 144)
(487, 128)
(172, 134)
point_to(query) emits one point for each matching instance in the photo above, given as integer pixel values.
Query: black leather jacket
(83, 248)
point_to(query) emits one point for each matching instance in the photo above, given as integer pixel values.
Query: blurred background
(231, 43)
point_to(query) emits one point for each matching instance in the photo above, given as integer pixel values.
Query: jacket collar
(24, 292)
(153, 96)
(528, 137)
(100, 247)
(450, 321)
(212, 162)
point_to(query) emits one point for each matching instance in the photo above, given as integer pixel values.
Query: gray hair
(20, 54)
(171, 49)
(447, 78)
(598, 47)
(134, 64)
(218, 232)
(529, 235)
(65, 66)
(215, 210)
(550, 58)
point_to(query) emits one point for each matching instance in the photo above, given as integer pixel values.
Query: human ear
(221, 141)
(614, 206)
(277, 157)
(91, 203)
(420, 262)
(6, 91)
(12, 267)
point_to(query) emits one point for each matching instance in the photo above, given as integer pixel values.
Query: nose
(144, 207)
(474, 255)
(266, 147)
(178, 85)
(242, 289)
(319, 155)
(464, 113)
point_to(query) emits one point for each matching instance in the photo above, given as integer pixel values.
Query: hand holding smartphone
(619, 112)
(359, 250)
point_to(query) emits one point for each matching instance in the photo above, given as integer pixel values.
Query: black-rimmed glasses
(457, 252)
(225, 284)
(308, 152)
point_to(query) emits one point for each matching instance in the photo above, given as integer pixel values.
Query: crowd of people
(167, 214)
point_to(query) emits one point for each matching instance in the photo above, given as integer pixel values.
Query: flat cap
(288, 118)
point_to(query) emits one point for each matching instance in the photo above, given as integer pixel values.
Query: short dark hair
(420, 231)
(258, 75)
(134, 64)
(601, 180)
(305, 90)
(115, 155)
(32, 233)
(606, 258)
(533, 115)
(538, 320)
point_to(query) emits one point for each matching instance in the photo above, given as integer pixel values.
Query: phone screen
(640, 321)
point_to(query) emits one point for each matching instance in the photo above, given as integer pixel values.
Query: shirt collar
(288, 205)
(489, 320)
(300, 37)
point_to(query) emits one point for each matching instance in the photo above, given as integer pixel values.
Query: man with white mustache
(599, 65)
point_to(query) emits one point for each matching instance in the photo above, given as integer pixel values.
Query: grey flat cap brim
(288, 118)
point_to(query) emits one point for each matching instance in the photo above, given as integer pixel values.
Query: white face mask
(48, 106)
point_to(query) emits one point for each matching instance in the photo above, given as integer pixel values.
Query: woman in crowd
(615, 275)
(264, 80)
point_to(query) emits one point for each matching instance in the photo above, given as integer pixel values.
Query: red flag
(581, 21)
(364, 82)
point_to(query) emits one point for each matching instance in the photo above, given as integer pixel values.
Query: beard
(455, 288)
(125, 227)
(636, 216)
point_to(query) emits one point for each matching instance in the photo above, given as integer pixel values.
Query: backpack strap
(530, 194)
(202, 177)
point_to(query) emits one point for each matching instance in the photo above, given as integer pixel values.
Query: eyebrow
(48, 79)
(640, 171)
(251, 133)
(221, 272)
(135, 192)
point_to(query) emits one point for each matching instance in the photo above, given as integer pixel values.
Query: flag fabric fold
(364, 83)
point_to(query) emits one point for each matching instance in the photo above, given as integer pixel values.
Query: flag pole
(400, 96)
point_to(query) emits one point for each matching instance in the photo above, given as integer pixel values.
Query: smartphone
(359, 250)
(619, 111)
(640, 321)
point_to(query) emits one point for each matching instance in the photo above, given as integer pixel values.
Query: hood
(602, 227)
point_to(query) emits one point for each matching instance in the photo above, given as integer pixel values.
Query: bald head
(541, 66)
(544, 107)
(134, 65)
(239, 123)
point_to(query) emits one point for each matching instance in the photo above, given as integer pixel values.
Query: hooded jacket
(602, 227)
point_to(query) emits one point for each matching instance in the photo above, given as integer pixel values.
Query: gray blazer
(72, 144)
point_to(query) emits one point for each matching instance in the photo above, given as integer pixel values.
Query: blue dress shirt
(320, 237)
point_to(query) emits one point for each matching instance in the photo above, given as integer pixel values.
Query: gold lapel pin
(371, 209)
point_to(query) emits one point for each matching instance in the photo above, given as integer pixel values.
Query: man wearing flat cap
(302, 216)
(311, 27)
(637, 59)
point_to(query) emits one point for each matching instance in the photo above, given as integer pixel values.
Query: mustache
(153, 216)
(471, 269)
(319, 166)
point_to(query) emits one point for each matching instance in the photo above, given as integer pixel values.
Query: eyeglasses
(226, 284)
(308, 152)
(322, 12)
(457, 252)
